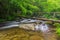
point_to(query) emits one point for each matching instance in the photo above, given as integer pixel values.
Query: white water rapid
(43, 27)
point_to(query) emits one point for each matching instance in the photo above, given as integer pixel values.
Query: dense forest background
(14, 9)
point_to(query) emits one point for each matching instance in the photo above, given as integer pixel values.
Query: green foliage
(57, 28)
(53, 5)
(11, 9)
(47, 15)
(26, 6)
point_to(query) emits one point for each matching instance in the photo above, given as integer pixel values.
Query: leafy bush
(57, 28)
(11, 9)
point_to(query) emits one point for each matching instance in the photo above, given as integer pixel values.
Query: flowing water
(44, 28)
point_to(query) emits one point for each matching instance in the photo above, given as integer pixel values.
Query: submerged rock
(29, 26)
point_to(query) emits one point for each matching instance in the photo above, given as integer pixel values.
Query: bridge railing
(47, 14)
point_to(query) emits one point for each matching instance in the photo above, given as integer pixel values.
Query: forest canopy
(12, 9)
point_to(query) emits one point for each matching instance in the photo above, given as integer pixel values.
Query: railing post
(54, 15)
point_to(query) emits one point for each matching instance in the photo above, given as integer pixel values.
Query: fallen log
(45, 19)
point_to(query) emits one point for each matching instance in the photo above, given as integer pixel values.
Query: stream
(44, 28)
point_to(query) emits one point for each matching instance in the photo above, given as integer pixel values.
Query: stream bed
(17, 31)
(22, 34)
